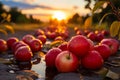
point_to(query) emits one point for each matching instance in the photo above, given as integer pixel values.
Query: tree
(76, 19)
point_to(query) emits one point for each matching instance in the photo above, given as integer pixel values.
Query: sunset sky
(45, 9)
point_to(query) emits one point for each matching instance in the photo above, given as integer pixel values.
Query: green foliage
(115, 29)
(98, 5)
(113, 8)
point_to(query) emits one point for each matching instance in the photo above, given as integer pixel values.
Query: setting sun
(59, 15)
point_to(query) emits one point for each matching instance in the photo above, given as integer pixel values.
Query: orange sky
(44, 9)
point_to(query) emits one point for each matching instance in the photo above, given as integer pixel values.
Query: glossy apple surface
(93, 60)
(3, 45)
(35, 45)
(51, 56)
(11, 41)
(112, 43)
(79, 45)
(23, 53)
(66, 62)
(104, 50)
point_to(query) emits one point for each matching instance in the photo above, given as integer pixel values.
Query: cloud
(22, 5)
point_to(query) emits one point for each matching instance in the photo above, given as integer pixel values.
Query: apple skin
(104, 50)
(93, 60)
(3, 45)
(66, 62)
(19, 45)
(15, 44)
(35, 45)
(112, 43)
(99, 37)
(11, 41)
(27, 38)
(92, 36)
(23, 53)
(43, 38)
(105, 32)
(91, 44)
(51, 56)
(39, 32)
(86, 31)
(59, 38)
(63, 46)
(79, 45)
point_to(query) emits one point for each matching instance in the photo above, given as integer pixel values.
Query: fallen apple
(51, 56)
(79, 45)
(66, 62)
(93, 60)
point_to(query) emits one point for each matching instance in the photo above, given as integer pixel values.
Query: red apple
(104, 50)
(59, 38)
(27, 38)
(79, 45)
(66, 62)
(112, 43)
(23, 54)
(35, 45)
(97, 31)
(99, 37)
(43, 38)
(11, 41)
(93, 60)
(15, 44)
(39, 32)
(51, 56)
(63, 46)
(19, 45)
(52, 35)
(105, 32)
(3, 45)
(92, 36)
(86, 31)
(91, 44)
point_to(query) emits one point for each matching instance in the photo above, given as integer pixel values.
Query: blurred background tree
(15, 16)
(103, 10)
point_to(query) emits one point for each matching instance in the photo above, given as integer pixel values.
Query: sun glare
(59, 15)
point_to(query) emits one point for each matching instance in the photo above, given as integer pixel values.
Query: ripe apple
(92, 36)
(15, 44)
(93, 60)
(86, 31)
(112, 43)
(63, 46)
(23, 53)
(43, 38)
(99, 37)
(35, 45)
(105, 32)
(79, 45)
(66, 62)
(52, 35)
(104, 50)
(3, 45)
(19, 45)
(91, 44)
(39, 32)
(51, 56)
(11, 41)
(27, 38)
(59, 38)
